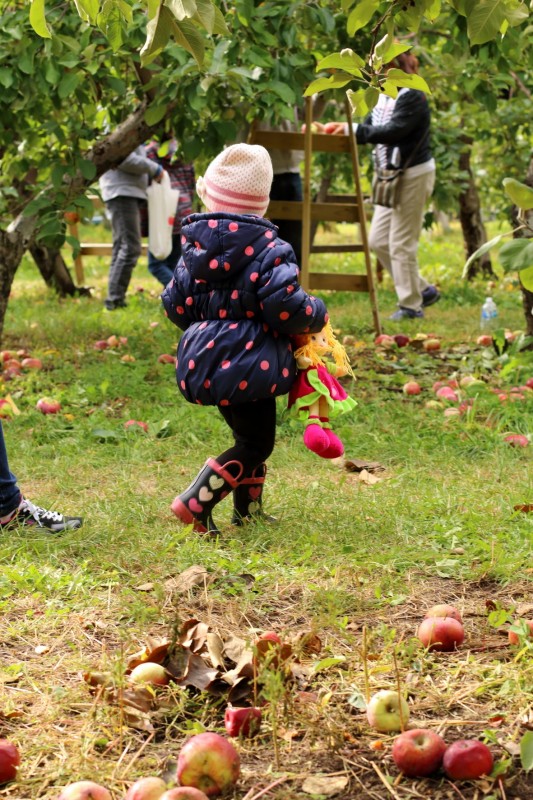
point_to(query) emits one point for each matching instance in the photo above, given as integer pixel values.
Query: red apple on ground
(514, 638)
(383, 711)
(452, 411)
(136, 423)
(146, 789)
(411, 387)
(101, 344)
(418, 752)
(31, 363)
(384, 340)
(149, 672)
(516, 440)
(184, 793)
(467, 759)
(401, 339)
(441, 633)
(242, 721)
(444, 610)
(447, 393)
(47, 406)
(485, 340)
(453, 383)
(431, 345)
(529, 383)
(113, 341)
(9, 761)
(269, 636)
(208, 762)
(84, 790)
(166, 358)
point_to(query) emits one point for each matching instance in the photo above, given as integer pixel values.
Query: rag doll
(316, 395)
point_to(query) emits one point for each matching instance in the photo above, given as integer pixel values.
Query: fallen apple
(441, 633)
(447, 393)
(113, 341)
(452, 412)
(84, 790)
(31, 363)
(136, 423)
(166, 358)
(485, 340)
(146, 789)
(101, 344)
(525, 625)
(387, 711)
(242, 721)
(467, 759)
(433, 404)
(149, 672)
(208, 762)
(516, 440)
(9, 761)
(529, 383)
(401, 339)
(418, 752)
(184, 793)
(431, 345)
(444, 610)
(47, 406)
(411, 388)
(269, 636)
(384, 340)
(6, 409)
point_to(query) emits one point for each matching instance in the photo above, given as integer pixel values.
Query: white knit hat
(238, 180)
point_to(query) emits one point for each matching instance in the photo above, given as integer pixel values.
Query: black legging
(254, 428)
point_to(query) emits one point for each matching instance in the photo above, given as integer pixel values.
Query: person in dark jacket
(236, 295)
(400, 129)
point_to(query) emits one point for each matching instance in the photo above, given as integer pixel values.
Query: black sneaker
(430, 295)
(112, 305)
(30, 515)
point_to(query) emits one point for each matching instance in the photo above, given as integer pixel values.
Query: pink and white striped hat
(238, 180)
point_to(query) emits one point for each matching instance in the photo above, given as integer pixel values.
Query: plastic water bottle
(489, 315)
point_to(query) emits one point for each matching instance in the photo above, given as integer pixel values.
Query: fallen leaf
(215, 648)
(525, 508)
(327, 785)
(193, 635)
(144, 587)
(357, 465)
(186, 580)
(366, 477)
(41, 648)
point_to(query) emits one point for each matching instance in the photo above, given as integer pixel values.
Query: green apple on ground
(467, 759)
(146, 789)
(387, 711)
(149, 672)
(9, 761)
(208, 762)
(418, 752)
(441, 633)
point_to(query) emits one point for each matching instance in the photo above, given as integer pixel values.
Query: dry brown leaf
(186, 580)
(199, 674)
(215, 648)
(524, 609)
(193, 635)
(144, 587)
(327, 785)
(367, 477)
(309, 643)
(234, 647)
(358, 465)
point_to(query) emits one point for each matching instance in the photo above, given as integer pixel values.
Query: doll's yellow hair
(307, 348)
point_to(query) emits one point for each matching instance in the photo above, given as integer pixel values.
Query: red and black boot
(248, 498)
(212, 484)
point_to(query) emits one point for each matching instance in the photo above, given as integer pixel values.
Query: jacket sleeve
(285, 305)
(409, 114)
(137, 164)
(174, 298)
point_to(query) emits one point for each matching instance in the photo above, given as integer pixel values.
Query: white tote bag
(162, 208)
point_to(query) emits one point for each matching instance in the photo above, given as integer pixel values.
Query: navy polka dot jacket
(235, 293)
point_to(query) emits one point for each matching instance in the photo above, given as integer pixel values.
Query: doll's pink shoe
(336, 447)
(316, 439)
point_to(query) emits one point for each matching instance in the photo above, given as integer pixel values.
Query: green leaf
(283, 90)
(38, 19)
(517, 255)
(186, 35)
(480, 252)
(157, 35)
(485, 19)
(87, 169)
(206, 15)
(360, 15)
(327, 663)
(520, 194)
(526, 278)
(400, 78)
(88, 10)
(322, 84)
(68, 84)
(154, 114)
(104, 435)
(6, 77)
(181, 9)
(346, 60)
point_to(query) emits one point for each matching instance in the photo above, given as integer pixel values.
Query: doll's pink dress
(315, 382)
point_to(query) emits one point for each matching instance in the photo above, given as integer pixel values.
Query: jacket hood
(217, 246)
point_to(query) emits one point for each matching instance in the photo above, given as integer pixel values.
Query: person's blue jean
(127, 246)
(9, 491)
(164, 270)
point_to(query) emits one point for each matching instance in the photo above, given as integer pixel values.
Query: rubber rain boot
(213, 483)
(248, 498)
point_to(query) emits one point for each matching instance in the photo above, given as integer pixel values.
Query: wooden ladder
(335, 208)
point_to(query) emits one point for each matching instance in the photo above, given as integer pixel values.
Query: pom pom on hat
(238, 180)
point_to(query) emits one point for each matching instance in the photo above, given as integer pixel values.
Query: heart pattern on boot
(253, 507)
(255, 492)
(205, 495)
(195, 506)
(215, 482)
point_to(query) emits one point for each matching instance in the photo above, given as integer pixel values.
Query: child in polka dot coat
(236, 296)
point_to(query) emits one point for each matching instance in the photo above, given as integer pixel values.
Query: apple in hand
(467, 759)
(184, 793)
(47, 406)
(418, 752)
(411, 387)
(444, 610)
(441, 633)
(514, 638)
(208, 762)
(242, 721)
(149, 672)
(146, 789)
(9, 761)
(383, 711)
(84, 790)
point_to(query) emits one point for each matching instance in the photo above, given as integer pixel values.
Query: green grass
(438, 527)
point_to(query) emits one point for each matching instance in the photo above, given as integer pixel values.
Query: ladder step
(101, 249)
(285, 140)
(340, 281)
(337, 248)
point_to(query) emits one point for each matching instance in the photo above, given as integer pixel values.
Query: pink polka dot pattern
(224, 402)
(234, 294)
(265, 365)
(254, 276)
(308, 310)
(250, 314)
(233, 326)
(182, 384)
(222, 313)
(248, 345)
(248, 251)
(183, 240)
(202, 326)
(277, 262)
(210, 344)
(189, 301)
(243, 385)
(284, 315)
(285, 372)
(212, 223)
(180, 310)
(191, 364)
(271, 244)
(213, 264)
(269, 234)
(227, 266)
(226, 364)
(197, 245)
(290, 288)
(273, 388)
(233, 226)
(207, 383)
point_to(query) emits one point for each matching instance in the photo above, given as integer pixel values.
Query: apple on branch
(208, 762)
(387, 711)
(418, 752)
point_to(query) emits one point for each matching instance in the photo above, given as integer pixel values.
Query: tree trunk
(11, 252)
(55, 272)
(527, 296)
(474, 234)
